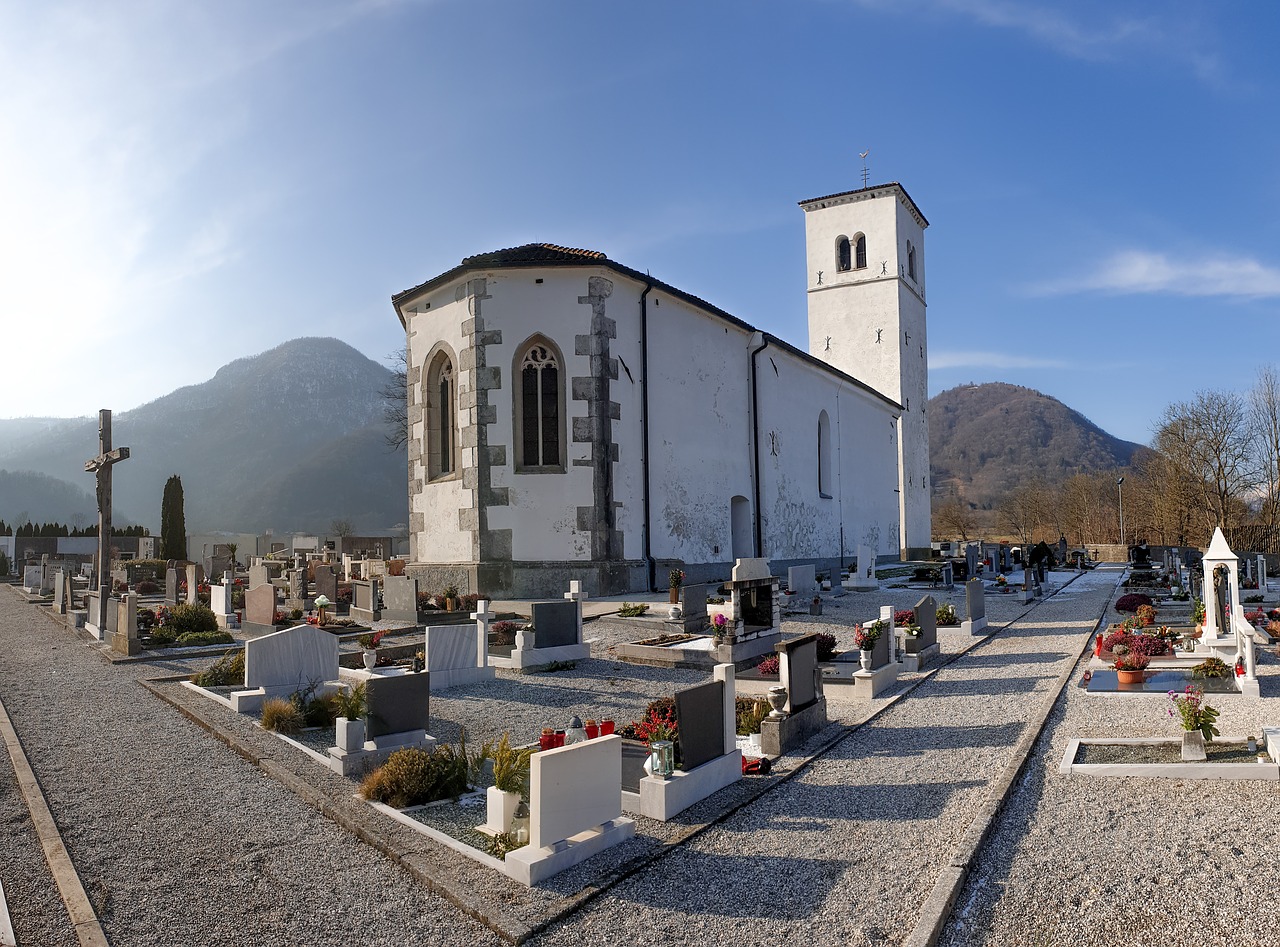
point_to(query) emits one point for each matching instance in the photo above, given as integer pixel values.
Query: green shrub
(750, 712)
(160, 638)
(498, 845)
(632, 611)
(946, 615)
(413, 776)
(282, 716)
(350, 702)
(511, 767)
(319, 711)
(192, 638)
(295, 613)
(185, 619)
(227, 671)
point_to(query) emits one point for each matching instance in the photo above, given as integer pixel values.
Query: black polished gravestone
(555, 624)
(397, 704)
(926, 617)
(700, 719)
(326, 583)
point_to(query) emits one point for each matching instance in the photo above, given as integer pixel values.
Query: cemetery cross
(101, 467)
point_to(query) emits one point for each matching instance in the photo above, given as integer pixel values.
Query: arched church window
(824, 454)
(844, 255)
(441, 403)
(540, 407)
(860, 252)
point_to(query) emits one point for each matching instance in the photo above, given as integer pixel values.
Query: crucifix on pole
(101, 466)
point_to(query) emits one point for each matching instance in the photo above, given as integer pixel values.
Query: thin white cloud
(1090, 32)
(989, 359)
(1143, 272)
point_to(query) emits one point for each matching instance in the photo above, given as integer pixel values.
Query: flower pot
(370, 660)
(675, 595)
(350, 734)
(1193, 746)
(500, 809)
(1131, 677)
(865, 658)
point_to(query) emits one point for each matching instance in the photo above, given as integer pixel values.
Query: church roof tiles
(534, 253)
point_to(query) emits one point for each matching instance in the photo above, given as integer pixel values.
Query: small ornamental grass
(750, 713)
(946, 615)
(413, 776)
(282, 716)
(511, 767)
(193, 638)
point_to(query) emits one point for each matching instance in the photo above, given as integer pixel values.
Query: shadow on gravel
(826, 807)
(1003, 660)
(986, 686)
(917, 740)
(753, 885)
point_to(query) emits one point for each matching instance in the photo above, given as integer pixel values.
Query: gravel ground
(176, 838)
(200, 847)
(1122, 860)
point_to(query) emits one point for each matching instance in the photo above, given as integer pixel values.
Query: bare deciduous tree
(1208, 438)
(955, 517)
(395, 394)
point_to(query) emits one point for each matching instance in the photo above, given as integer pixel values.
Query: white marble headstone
(291, 658)
(751, 569)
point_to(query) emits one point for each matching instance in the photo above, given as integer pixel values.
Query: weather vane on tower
(865, 173)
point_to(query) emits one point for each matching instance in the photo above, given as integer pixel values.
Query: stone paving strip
(908, 788)
(1105, 860)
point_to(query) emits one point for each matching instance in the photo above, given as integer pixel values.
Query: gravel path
(1120, 860)
(177, 839)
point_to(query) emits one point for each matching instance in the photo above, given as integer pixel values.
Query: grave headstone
(802, 581)
(693, 607)
(258, 575)
(948, 576)
(397, 704)
(744, 569)
(298, 584)
(326, 582)
(554, 624)
(290, 660)
(926, 612)
(171, 582)
(700, 717)
(260, 604)
(971, 559)
(62, 593)
(32, 576)
(451, 647)
(195, 577)
(1062, 550)
(797, 666)
(124, 638)
(1262, 572)
(975, 607)
(364, 595)
(220, 601)
(400, 599)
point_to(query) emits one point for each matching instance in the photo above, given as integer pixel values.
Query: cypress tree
(173, 521)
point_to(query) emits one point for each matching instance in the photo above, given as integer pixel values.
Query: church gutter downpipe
(650, 565)
(755, 445)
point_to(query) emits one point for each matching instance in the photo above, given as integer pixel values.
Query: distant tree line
(62, 529)
(1214, 461)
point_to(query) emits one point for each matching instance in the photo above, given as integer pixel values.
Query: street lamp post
(1120, 491)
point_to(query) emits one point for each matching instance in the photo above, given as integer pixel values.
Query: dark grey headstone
(555, 624)
(400, 598)
(927, 619)
(700, 717)
(326, 583)
(883, 649)
(397, 704)
(975, 600)
(693, 604)
(802, 660)
(633, 756)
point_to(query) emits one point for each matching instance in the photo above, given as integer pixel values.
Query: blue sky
(184, 184)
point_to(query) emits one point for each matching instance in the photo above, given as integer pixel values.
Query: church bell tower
(866, 289)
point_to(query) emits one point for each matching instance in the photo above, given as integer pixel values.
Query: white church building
(573, 418)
